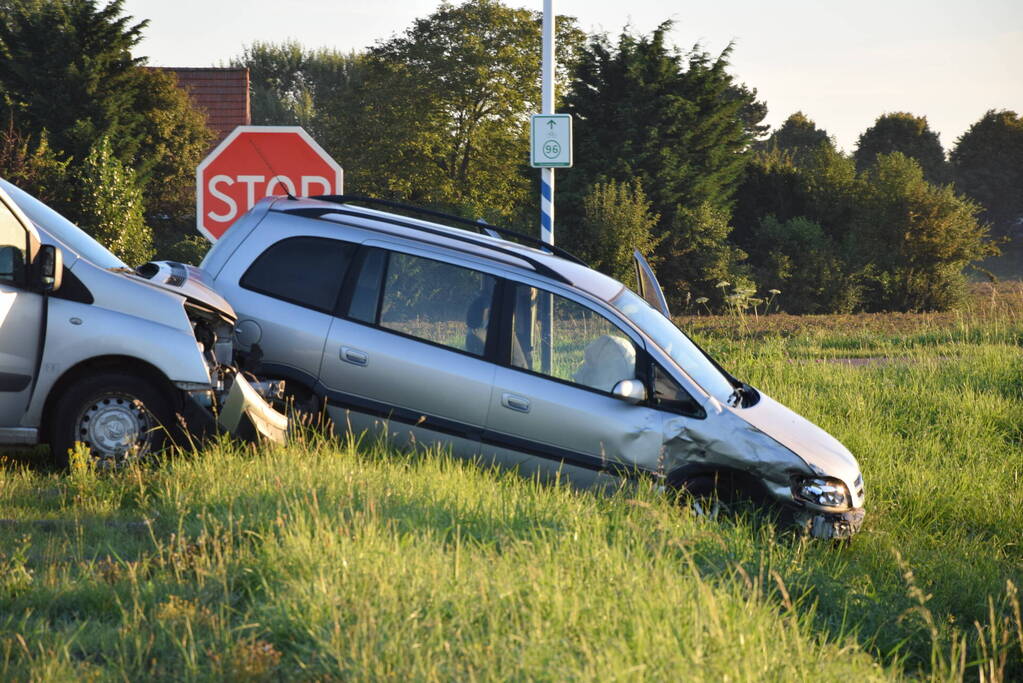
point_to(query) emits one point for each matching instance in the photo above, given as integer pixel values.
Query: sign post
(551, 147)
(254, 162)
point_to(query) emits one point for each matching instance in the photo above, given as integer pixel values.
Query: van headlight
(822, 492)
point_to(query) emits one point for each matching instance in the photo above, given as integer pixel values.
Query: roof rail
(479, 225)
(538, 266)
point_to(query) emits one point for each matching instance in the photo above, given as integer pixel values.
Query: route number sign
(551, 141)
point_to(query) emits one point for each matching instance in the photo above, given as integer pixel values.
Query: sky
(842, 64)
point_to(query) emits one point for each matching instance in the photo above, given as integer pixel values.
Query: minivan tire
(115, 415)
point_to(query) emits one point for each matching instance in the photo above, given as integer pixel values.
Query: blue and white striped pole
(547, 205)
(547, 187)
(547, 106)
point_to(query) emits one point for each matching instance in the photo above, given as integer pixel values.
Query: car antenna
(270, 166)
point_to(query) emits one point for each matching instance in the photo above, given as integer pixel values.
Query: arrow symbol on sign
(551, 124)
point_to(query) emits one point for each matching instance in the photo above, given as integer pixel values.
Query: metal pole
(547, 92)
(547, 187)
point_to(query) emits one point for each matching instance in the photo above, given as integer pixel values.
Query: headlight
(825, 493)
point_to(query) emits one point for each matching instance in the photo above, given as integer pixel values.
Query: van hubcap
(114, 426)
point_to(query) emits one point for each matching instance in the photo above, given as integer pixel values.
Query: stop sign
(255, 162)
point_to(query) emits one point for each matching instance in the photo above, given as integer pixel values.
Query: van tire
(115, 415)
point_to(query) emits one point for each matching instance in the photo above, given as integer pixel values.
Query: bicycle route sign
(551, 141)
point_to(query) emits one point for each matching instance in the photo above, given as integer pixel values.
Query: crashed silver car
(509, 350)
(93, 352)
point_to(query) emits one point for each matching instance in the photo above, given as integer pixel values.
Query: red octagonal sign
(255, 162)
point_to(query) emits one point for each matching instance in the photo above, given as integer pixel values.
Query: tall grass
(333, 559)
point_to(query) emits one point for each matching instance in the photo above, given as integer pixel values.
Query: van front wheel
(117, 416)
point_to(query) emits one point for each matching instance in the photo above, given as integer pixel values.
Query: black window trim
(649, 364)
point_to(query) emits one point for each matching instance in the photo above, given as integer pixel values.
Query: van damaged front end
(230, 402)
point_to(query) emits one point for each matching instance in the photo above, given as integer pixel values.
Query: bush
(914, 237)
(110, 206)
(696, 255)
(799, 259)
(617, 219)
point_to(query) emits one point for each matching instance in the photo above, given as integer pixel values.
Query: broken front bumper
(246, 414)
(241, 411)
(837, 525)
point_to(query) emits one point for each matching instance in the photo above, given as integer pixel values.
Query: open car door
(649, 288)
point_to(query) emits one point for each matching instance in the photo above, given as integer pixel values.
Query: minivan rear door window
(437, 302)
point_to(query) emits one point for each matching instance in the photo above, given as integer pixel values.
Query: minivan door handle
(514, 402)
(354, 356)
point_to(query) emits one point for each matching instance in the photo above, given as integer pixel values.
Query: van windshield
(61, 229)
(674, 343)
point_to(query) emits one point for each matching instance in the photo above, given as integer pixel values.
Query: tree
(110, 206)
(617, 219)
(67, 69)
(909, 135)
(172, 141)
(987, 163)
(914, 238)
(444, 109)
(797, 259)
(67, 75)
(678, 124)
(294, 86)
(700, 258)
(32, 167)
(798, 137)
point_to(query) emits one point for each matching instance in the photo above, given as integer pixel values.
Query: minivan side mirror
(630, 390)
(48, 268)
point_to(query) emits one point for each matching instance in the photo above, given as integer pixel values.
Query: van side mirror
(630, 390)
(48, 268)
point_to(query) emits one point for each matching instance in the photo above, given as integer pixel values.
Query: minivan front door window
(585, 347)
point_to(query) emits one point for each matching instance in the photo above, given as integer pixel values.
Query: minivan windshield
(62, 229)
(675, 343)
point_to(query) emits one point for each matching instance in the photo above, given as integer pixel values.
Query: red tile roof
(222, 94)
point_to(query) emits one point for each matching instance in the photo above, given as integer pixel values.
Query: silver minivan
(94, 352)
(508, 350)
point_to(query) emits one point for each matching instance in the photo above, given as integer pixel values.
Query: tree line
(672, 155)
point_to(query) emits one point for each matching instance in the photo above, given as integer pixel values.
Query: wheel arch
(736, 480)
(124, 364)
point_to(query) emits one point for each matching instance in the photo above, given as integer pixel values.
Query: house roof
(221, 93)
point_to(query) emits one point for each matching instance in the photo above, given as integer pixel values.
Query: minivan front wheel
(117, 416)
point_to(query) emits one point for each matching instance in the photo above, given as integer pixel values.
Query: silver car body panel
(184, 280)
(78, 332)
(399, 381)
(574, 430)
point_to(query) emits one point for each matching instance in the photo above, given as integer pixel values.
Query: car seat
(607, 360)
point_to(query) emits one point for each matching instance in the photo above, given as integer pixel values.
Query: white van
(93, 352)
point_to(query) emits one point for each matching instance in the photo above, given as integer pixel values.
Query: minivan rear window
(307, 271)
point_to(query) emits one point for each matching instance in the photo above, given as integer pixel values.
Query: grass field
(328, 559)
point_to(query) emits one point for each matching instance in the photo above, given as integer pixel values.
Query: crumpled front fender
(724, 440)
